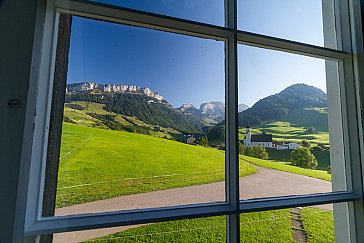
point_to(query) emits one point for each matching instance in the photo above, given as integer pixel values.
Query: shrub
(68, 120)
(302, 157)
(75, 106)
(306, 144)
(203, 141)
(256, 152)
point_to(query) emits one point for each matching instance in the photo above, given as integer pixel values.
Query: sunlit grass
(284, 166)
(98, 164)
(286, 132)
(270, 226)
(318, 225)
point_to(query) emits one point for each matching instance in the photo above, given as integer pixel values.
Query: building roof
(262, 138)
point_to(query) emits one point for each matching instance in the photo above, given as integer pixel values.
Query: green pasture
(284, 131)
(83, 118)
(303, 117)
(285, 166)
(269, 226)
(98, 164)
(323, 157)
(318, 224)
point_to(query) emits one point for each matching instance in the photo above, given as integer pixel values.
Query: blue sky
(191, 70)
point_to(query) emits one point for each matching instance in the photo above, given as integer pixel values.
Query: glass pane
(210, 229)
(206, 11)
(300, 20)
(292, 130)
(136, 119)
(307, 224)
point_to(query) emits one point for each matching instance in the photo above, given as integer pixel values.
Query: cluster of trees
(203, 141)
(302, 157)
(311, 130)
(110, 122)
(319, 146)
(256, 152)
(75, 106)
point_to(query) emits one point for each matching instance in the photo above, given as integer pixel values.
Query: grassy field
(273, 226)
(82, 117)
(323, 157)
(284, 131)
(303, 117)
(97, 164)
(284, 166)
(318, 224)
(269, 226)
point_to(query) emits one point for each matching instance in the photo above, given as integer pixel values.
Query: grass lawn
(282, 166)
(284, 131)
(303, 117)
(270, 226)
(98, 164)
(318, 224)
(83, 118)
(323, 157)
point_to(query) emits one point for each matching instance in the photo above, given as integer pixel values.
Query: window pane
(307, 224)
(210, 229)
(206, 11)
(291, 128)
(301, 20)
(139, 105)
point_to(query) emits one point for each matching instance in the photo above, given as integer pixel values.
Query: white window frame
(349, 55)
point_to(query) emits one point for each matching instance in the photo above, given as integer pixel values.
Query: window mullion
(232, 159)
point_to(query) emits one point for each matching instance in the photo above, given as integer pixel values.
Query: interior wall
(17, 19)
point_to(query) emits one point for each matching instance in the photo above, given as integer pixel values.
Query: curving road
(265, 183)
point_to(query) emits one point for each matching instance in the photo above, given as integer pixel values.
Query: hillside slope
(145, 108)
(277, 106)
(98, 164)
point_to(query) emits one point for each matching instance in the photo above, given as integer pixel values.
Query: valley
(120, 144)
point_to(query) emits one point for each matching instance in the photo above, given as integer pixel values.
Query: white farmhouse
(263, 140)
(281, 147)
(286, 146)
(293, 146)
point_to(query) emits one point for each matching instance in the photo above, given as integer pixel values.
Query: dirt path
(265, 183)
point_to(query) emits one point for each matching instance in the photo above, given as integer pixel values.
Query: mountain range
(148, 106)
(151, 108)
(113, 88)
(213, 110)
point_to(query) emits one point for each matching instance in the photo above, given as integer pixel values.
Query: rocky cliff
(112, 88)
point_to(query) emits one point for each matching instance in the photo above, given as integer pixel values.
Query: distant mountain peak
(276, 106)
(187, 106)
(302, 88)
(112, 88)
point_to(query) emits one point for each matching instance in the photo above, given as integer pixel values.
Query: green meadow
(85, 116)
(285, 166)
(98, 164)
(323, 157)
(268, 226)
(285, 131)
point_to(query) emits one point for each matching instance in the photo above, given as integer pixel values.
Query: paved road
(265, 183)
